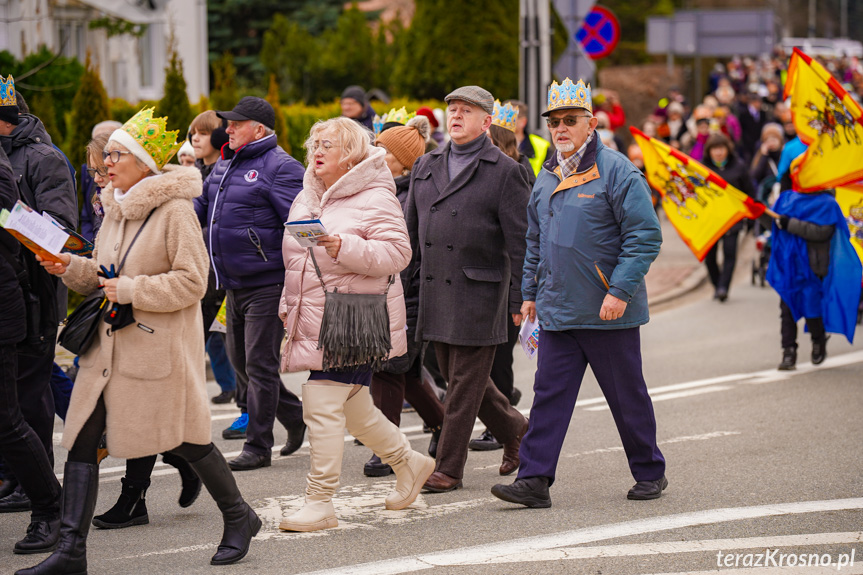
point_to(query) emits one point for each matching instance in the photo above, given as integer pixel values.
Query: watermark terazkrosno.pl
(775, 558)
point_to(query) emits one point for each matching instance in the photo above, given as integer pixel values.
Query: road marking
(709, 385)
(485, 554)
(670, 547)
(682, 439)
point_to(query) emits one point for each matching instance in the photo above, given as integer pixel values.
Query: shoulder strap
(323, 285)
(132, 243)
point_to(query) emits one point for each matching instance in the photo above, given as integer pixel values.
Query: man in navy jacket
(244, 206)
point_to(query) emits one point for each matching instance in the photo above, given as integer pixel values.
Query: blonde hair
(94, 151)
(353, 139)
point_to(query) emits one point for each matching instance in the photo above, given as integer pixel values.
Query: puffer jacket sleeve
(639, 230)
(186, 283)
(286, 185)
(386, 249)
(283, 307)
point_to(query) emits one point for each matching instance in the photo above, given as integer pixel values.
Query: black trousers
(501, 369)
(721, 278)
(23, 451)
(789, 327)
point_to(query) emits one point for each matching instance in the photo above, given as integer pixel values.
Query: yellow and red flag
(828, 120)
(701, 205)
(850, 199)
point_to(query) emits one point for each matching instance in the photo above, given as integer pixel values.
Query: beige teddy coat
(362, 209)
(151, 373)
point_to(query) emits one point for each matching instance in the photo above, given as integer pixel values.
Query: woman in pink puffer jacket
(350, 189)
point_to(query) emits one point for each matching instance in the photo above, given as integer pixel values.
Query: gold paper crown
(153, 136)
(401, 116)
(504, 116)
(569, 95)
(7, 92)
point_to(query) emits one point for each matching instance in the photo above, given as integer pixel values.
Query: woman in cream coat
(350, 189)
(144, 384)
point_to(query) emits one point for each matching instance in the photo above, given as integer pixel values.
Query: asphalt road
(759, 463)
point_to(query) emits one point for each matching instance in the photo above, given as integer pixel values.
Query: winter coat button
(429, 278)
(454, 213)
(433, 209)
(104, 373)
(449, 247)
(449, 283)
(428, 244)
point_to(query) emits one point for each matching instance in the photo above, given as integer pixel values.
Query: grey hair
(105, 127)
(267, 131)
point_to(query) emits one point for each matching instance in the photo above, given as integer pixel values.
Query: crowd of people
(439, 244)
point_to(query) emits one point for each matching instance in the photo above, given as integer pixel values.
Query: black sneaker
(789, 359)
(224, 397)
(237, 430)
(485, 442)
(530, 492)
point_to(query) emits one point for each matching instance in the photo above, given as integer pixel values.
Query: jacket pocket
(144, 350)
(483, 274)
(256, 241)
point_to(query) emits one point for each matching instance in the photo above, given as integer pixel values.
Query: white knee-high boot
(369, 425)
(323, 413)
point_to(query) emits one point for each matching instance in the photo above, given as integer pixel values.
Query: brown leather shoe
(510, 452)
(441, 483)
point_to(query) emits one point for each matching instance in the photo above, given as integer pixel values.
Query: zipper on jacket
(213, 219)
(253, 237)
(601, 276)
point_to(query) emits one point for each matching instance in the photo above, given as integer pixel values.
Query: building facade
(132, 68)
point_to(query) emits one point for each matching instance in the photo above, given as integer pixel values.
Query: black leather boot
(435, 439)
(130, 509)
(789, 359)
(80, 486)
(241, 521)
(819, 350)
(191, 482)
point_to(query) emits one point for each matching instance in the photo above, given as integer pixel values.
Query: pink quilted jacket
(363, 210)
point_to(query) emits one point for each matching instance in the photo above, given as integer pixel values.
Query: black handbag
(355, 330)
(81, 326)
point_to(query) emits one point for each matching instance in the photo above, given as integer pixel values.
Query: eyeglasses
(114, 155)
(326, 145)
(568, 121)
(93, 171)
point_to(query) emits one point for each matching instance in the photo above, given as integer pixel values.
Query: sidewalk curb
(692, 282)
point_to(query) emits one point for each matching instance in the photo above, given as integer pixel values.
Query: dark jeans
(223, 371)
(614, 356)
(722, 278)
(61, 391)
(255, 335)
(501, 369)
(23, 452)
(789, 327)
(34, 392)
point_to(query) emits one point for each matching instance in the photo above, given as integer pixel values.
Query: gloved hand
(782, 222)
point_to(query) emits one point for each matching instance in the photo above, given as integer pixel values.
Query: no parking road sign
(599, 33)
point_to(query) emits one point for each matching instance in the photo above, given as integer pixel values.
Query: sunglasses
(569, 121)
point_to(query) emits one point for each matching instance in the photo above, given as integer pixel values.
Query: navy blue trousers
(615, 358)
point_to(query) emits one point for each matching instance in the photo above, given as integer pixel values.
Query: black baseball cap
(252, 108)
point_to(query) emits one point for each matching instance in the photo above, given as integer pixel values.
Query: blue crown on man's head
(569, 95)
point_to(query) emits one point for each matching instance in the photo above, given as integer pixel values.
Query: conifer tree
(89, 107)
(290, 53)
(175, 102)
(347, 56)
(42, 106)
(224, 93)
(281, 126)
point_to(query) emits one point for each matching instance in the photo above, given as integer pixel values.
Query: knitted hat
(355, 93)
(148, 139)
(406, 143)
(428, 113)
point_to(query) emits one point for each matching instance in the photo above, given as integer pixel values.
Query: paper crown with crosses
(504, 116)
(148, 139)
(7, 92)
(569, 95)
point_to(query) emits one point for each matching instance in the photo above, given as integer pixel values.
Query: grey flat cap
(473, 95)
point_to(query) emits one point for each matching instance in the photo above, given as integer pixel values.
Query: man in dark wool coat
(466, 215)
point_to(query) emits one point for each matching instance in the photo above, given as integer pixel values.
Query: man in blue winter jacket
(244, 206)
(592, 235)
